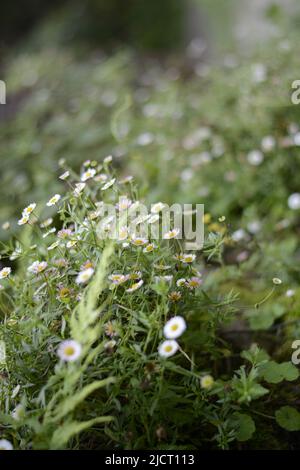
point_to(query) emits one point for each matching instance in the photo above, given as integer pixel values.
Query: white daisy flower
(54, 200)
(69, 350)
(194, 282)
(64, 176)
(101, 178)
(108, 184)
(118, 278)
(168, 348)
(135, 286)
(5, 445)
(123, 234)
(181, 282)
(6, 226)
(171, 234)
(79, 187)
(238, 235)
(268, 143)
(138, 241)
(158, 207)
(294, 201)
(29, 209)
(290, 293)
(37, 267)
(108, 159)
(167, 279)
(84, 276)
(149, 248)
(53, 245)
(277, 281)
(174, 327)
(46, 234)
(206, 382)
(124, 203)
(24, 220)
(254, 226)
(18, 413)
(46, 222)
(110, 344)
(255, 157)
(88, 174)
(71, 243)
(5, 272)
(188, 258)
(126, 180)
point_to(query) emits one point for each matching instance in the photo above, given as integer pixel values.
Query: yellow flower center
(174, 327)
(168, 348)
(69, 350)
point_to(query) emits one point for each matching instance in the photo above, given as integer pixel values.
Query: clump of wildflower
(5, 272)
(84, 276)
(53, 200)
(37, 267)
(168, 348)
(174, 327)
(206, 382)
(69, 350)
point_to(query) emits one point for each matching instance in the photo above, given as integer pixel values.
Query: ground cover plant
(124, 334)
